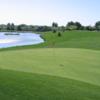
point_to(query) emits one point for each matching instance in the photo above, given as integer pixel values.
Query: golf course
(65, 67)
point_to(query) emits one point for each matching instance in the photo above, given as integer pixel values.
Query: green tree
(54, 27)
(97, 25)
(78, 24)
(12, 26)
(22, 27)
(89, 28)
(59, 34)
(8, 26)
(71, 26)
(54, 24)
(3, 27)
(62, 28)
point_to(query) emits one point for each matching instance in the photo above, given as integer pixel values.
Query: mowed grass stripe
(79, 64)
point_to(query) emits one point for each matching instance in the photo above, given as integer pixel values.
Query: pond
(10, 39)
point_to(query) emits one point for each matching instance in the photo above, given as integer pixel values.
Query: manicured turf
(71, 63)
(65, 68)
(25, 86)
(74, 39)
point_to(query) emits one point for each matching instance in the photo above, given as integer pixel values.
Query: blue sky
(44, 12)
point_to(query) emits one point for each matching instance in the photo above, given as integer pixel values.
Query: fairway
(62, 68)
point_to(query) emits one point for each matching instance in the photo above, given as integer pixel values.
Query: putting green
(78, 64)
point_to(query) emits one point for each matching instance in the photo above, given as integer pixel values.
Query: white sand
(7, 41)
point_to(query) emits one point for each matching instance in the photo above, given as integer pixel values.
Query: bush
(59, 34)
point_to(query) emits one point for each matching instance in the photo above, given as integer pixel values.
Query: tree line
(76, 26)
(23, 27)
(54, 27)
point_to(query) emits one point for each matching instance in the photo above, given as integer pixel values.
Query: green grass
(63, 68)
(74, 39)
(73, 63)
(25, 86)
